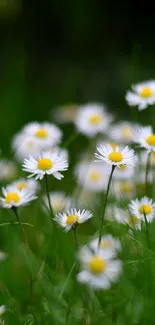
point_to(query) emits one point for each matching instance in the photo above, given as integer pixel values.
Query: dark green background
(56, 52)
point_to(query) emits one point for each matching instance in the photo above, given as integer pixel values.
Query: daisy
(144, 156)
(2, 309)
(100, 269)
(72, 218)
(24, 145)
(123, 216)
(142, 95)
(143, 207)
(46, 134)
(145, 137)
(12, 197)
(116, 157)
(108, 243)
(47, 163)
(122, 132)
(59, 201)
(30, 184)
(92, 119)
(124, 188)
(8, 170)
(92, 176)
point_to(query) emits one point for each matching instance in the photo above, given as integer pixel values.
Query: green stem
(104, 206)
(147, 231)
(48, 196)
(147, 170)
(75, 237)
(21, 225)
(70, 140)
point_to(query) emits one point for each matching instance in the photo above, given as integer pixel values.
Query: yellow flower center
(151, 140)
(97, 264)
(41, 133)
(146, 92)
(20, 186)
(72, 219)
(106, 243)
(145, 208)
(115, 156)
(12, 197)
(127, 132)
(45, 164)
(95, 119)
(133, 220)
(94, 176)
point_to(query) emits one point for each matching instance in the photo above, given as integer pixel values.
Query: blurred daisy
(92, 119)
(142, 207)
(116, 157)
(144, 156)
(24, 146)
(8, 170)
(3, 256)
(2, 309)
(122, 132)
(47, 163)
(145, 137)
(99, 268)
(29, 184)
(46, 134)
(123, 188)
(108, 243)
(12, 197)
(65, 113)
(59, 201)
(92, 176)
(72, 218)
(142, 95)
(124, 172)
(123, 216)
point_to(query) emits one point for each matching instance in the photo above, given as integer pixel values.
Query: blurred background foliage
(56, 52)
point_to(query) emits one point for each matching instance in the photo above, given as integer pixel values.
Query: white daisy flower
(65, 113)
(116, 157)
(124, 172)
(92, 176)
(47, 163)
(142, 207)
(92, 119)
(123, 216)
(145, 137)
(29, 184)
(72, 218)
(8, 170)
(99, 268)
(59, 201)
(24, 145)
(108, 243)
(142, 95)
(45, 133)
(15, 198)
(122, 132)
(2, 309)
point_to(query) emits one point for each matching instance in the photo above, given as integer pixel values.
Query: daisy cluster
(113, 179)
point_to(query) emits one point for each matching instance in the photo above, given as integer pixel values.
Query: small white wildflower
(47, 163)
(108, 243)
(59, 201)
(116, 157)
(12, 197)
(72, 218)
(8, 170)
(100, 269)
(122, 132)
(142, 207)
(145, 137)
(142, 95)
